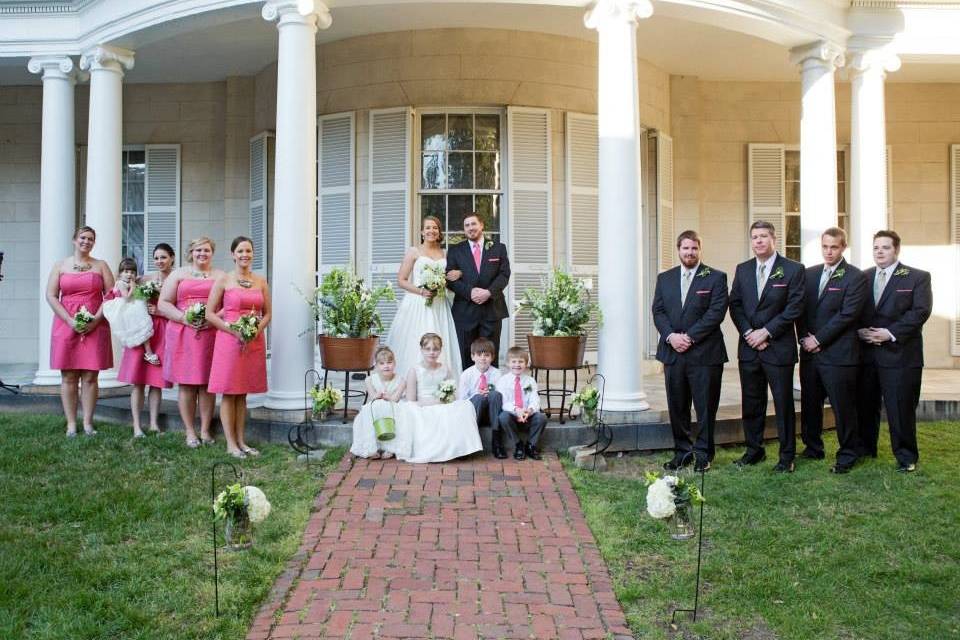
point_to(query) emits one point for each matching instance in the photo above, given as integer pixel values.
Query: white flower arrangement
(663, 494)
(561, 307)
(234, 500)
(82, 318)
(258, 507)
(195, 314)
(147, 291)
(446, 391)
(435, 280)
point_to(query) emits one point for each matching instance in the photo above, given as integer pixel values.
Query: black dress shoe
(701, 466)
(841, 468)
(518, 453)
(672, 465)
(532, 452)
(812, 455)
(748, 459)
(784, 467)
(907, 468)
(498, 452)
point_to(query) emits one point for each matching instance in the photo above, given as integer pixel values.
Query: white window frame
(143, 148)
(787, 213)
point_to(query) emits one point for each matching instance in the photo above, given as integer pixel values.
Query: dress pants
(699, 384)
(485, 329)
(535, 423)
(488, 408)
(755, 376)
(899, 391)
(821, 381)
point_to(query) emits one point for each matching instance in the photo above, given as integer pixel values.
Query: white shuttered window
(582, 194)
(955, 241)
(336, 199)
(765, 190)
(259, 198)
(530, 191)
(162, 196)
(389, 199)
(665, 231)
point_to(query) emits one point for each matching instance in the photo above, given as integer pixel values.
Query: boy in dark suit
(689, 303)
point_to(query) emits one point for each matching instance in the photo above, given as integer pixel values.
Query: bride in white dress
(440, 431)
(415, 317)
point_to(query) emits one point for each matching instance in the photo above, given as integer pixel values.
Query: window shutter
(765, 174)
(665, 231)
(390, 131)
(336, 199)
(259, 155)
(955, 241)
(162, 197)
(530, 189)
(583, 248)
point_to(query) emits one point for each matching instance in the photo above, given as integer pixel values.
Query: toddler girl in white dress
(384, 390)
(127, 315)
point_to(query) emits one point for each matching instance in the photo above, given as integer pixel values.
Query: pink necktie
(517, 394)
(476, 256)
(482, 386)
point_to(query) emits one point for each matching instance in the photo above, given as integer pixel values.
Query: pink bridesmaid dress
(239, 368)
(187, 352)
(92, 351)
(135, 370)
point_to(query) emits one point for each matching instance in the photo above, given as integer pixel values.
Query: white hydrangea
(660, 500)
(258, 508)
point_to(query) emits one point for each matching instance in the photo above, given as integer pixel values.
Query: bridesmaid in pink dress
(238, 367)
(80, 352)
(133, 368)
(188, 350)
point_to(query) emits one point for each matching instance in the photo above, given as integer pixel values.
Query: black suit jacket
(699, 317)
(777, 309)
(903, 308)
(833, 318)
(494, 275)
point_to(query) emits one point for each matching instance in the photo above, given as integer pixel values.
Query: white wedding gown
(414, 318)
(440, 432)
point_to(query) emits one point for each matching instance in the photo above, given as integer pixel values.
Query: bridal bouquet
(561, 307)
(82, 318)
(665, 493)
(435, 280)
(246, 325)
(324, 399)
(195, 314)
(446, 391)
(147, 291)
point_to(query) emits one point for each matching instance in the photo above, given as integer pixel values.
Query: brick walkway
(469, 549)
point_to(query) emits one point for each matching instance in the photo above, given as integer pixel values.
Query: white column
(294, 211)
(57, 188)
(868, 149)
(104, 156)
(620, 238)
(818, 144)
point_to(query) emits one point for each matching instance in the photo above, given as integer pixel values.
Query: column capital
(310, 12)
(107, 58)
(871, 54)
(603, 12)
(821, 52)
(58, 67)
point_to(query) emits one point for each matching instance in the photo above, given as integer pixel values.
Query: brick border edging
(263, 622)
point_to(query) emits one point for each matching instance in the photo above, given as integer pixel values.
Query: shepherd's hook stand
(299, 434)
(604, 431)
(213, 497)
(12, 388)
(696, 592)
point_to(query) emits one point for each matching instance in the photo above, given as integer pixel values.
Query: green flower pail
(384, 425)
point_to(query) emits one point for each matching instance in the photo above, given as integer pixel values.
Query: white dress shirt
(470, 381)
(528, 386)
(683, 273)
(768, 266)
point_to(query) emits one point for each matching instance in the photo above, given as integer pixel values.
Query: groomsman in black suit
(892, 350)
(829, 350)
(478, 303)
(689, 304)
(765, 301)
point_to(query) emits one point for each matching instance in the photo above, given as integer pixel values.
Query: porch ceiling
(238, 41)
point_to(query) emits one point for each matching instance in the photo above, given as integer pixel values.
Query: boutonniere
(487, 243)
(704, 272)
(838, 274)
(528, 387)
(902, 271)
(777, 273)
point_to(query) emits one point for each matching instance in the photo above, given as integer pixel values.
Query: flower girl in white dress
(384, 390)
(441, 428)
(128, 317)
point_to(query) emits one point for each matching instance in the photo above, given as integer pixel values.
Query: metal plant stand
(213, 497)
(696, 590)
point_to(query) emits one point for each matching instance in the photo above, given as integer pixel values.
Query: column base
(285, 400)
(625, 402)
(47, 378)
(108, 380)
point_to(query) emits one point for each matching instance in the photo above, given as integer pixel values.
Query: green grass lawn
(874, 554)
(110, 537)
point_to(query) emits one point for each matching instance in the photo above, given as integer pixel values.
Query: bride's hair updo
(429, 338)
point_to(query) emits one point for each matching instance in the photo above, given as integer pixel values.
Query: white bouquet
(147, 291)
(195, 314)
(446, 391)
(434, 280)
(82, 318)
(664, 493)
(235, 500)
(258, 507)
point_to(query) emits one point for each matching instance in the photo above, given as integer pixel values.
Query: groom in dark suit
(765, 301)
(478, 304)
(829, 350)
(689, 303)
(891, 352)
